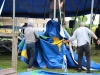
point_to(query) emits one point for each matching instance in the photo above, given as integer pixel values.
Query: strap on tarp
(2, 7)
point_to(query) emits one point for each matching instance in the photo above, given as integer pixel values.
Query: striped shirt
(82, 35)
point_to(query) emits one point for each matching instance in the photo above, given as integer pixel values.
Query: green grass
(5, 62)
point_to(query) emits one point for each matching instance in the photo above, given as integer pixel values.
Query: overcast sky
(96, 21)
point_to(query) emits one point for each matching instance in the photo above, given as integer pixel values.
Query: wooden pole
(14, 47)
(14, 52)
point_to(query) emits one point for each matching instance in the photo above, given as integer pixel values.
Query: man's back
(82, 35)
(31, 34)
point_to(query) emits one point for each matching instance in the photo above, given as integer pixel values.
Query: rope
(9, 3)
(41, 4)
(97, 7)
(28, 6)
(84, 8)
(73, 5)
(45, 9)
(35, 7)
(77, 9)
(17, 4)
(66, 6)
(87, 3)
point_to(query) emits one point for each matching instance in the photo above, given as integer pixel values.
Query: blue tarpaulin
(41, 8)
(50, 51)
(41, 72)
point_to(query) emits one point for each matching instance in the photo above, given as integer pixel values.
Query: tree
(1, 24)
(80, 18)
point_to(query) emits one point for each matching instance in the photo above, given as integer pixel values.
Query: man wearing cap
(31, 36)
(81, 34)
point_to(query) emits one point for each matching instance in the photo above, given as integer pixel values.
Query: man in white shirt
(83, 42)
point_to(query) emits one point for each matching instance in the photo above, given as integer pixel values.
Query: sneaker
(29, 69)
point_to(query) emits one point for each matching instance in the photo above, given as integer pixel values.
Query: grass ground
(5, 62)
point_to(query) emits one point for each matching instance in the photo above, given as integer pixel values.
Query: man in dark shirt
(97, 33)
(25, 25)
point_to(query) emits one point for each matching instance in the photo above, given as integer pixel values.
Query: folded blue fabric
(0, 68)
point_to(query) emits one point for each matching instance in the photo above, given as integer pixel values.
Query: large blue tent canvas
(50, 50)
(40, 8)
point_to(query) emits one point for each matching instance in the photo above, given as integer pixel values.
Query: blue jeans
(31, 53)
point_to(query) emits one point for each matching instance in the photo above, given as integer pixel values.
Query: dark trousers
(31, 53)
(84, 48)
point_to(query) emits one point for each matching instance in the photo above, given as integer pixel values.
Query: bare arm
(65, 41)
(94, 36)
(98, 40)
